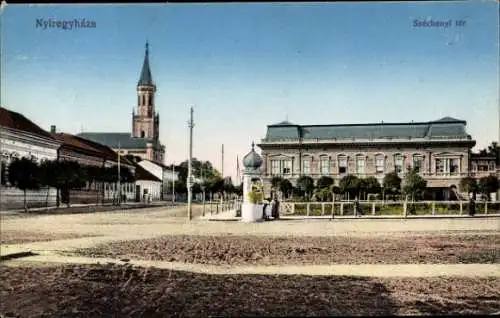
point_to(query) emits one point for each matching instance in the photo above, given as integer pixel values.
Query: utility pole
(173, 185)
(222, 154)
(190, 168)
(119, 184)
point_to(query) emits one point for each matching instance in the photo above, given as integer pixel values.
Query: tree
(305, 184)
(276, 182)
(324, 182)
(74, 177)
(286, 187)
(180, 186)
(469, 185)
(97, 175)
(392, 183)
(413, 184)
(369, 185)
(239, 189)
(350, 184)
(200, 170)
(196, 188)
(487, 185)
(323, 194)
(51, 177)
(24, 174)
(491, 150)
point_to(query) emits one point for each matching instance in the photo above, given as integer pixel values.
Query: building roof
(14, 120)
(117, 140)
(75, 142)
(157, 163)
(443, 128)
(143, 174)
(146, 78)
(105, 150)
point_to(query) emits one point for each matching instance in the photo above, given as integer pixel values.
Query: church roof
(146, 78)
(117, 140)
(443, 128)
(13, 120)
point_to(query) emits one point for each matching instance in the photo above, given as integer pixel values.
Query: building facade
(21, 138)
(483, 165)
(144, 139)
(148, 185)
(440, 150)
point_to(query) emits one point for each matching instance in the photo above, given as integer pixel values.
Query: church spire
(146, 78)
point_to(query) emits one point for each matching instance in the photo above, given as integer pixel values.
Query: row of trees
(351, 186)
(26, 174)
(207, 179)
(483, 186)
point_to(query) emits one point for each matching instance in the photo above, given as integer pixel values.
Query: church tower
(146, 122)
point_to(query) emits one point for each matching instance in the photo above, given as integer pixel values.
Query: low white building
(20, 137)
(148, 185)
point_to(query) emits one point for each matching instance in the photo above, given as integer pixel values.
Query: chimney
(53, 129)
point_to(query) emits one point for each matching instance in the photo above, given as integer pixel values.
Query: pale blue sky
(244, 66)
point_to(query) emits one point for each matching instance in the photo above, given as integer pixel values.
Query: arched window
(324, 165)
(379, 163)
(418, 162)
(342, 164)
(360, 164)
(399, 161)
(142, 133)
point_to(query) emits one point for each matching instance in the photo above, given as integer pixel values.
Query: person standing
(276, 209)
(472, 206)
(357, 207)
(264, 208)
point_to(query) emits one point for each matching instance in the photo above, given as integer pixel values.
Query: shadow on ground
(113, 290)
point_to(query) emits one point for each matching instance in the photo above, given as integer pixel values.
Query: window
(399, 164)
(454, 166)
(474, 166)
(287, 166)
(379, 164)
(492, 166)
(306, 166)
(418, 162)
(324, 165)
(142, 133)
(342, 165)
(440, 169)
(275, 167)
(448, 166)
(483, 166)
(360, 164)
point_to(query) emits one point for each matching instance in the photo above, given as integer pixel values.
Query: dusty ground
(19, 237)
(166, 221)
(76, 291)
(238, 250)
(111, 290)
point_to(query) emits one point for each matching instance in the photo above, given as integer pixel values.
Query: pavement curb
(16, 255)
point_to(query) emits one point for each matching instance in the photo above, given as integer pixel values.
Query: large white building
(20, 137)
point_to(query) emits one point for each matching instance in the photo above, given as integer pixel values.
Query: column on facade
(265, 164)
